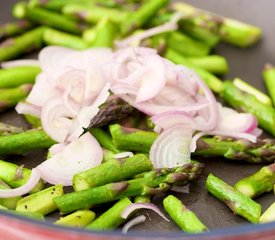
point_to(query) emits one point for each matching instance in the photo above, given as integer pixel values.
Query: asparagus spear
(9, 174)
(132, 139)
(260, 152)
(40, 202)
(185, 218)
(24, 142)
(149, 183)
(7, 129)
(140, 17)
(214, 83)
(104, 139)
(248, 103)
(33, 121)
(14, 28)
(55, 37)
(31, 215)
(28, 42)
(89, 35)
(93, 14)
(9, 203)
(260, 182)
(268, 215)
(110, 219)
(48, 18)
(232, 31)
(269, 79)
(142, 199)
(9, 97)
(80, 218)
(112, 171)
(186, 46)
(16, 76)
(105, 33)
(246, 87)
(3, 208)
(239, 203)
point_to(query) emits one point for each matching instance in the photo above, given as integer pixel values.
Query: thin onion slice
(20, 63)
(123, 155)
(78, 156)
(134, 206)
(27, 187)
(133, 222)
(27, 108)
(171, 148)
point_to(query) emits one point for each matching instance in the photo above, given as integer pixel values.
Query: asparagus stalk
(55, 37)
(7, 129)
(261, 152)
(260, 182)
(48, 18)
(131, 139)
(248, 103)
(89, 35)
(28, 42)
(150, 183)
(186, 46)
(268, 215)
(110, 219)
(40, 202)
(232, 31)
(112, 171)
(246, 87)
(31, 215)
(9, 97)
(93, 14)
(269, 79)
(214, 83)
(80, 218)
(3, 208)
(9, 203)
(239, 203)
(142, 199)
(9, 174)
(14, 28)
(105, 33)
(24, 142)
(16, 76)
(186, 219)
(33, 121)
(140, 17)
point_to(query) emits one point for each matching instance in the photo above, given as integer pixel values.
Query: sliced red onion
(78, 156)
(123, 155)
(257, 132)
(20, 63)
(56, 119)
(134, 206)
(169, 119)
(171, 148)
(54, 149)
(27, 108)
(133, 222)
(24, 189)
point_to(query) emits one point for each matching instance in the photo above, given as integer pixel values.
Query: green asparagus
(269, 79)
(40, 202)
(245, 102)
(16, 76)
(80, 218)
(185, 218)
(9, 203)
(149, 183)
(28, 42)
(47, 18)
(112, 171)
(268, 215)
(142, 199)
(7, 129)
(110, 219)
(9, 174)
(14, 28)
(239, 203)
(260, 182)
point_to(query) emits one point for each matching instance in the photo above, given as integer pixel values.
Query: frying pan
(244, 63)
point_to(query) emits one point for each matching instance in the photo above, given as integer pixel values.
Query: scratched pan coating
(244, 63)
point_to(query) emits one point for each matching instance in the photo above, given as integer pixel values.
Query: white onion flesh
(24, 189)
(20, 63)
(123, 155)
(171, 148)
(133, 222)
(80, 155)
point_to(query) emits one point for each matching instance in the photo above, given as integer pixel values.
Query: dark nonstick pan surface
(244, 63)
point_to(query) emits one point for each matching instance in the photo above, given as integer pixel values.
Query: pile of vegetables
(124, 108)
